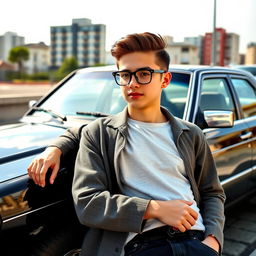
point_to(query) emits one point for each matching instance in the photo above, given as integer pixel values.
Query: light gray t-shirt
(152, 168)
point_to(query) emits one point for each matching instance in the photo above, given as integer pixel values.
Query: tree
(18, 55)
(68, 65)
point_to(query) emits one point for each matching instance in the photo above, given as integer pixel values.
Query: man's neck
(147, 115)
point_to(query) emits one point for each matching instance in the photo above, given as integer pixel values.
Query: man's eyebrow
(123, 70)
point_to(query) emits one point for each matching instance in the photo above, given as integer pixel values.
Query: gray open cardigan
(96, 185)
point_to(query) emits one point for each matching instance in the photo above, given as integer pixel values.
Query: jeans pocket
(208, 248)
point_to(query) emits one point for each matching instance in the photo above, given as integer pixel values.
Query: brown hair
(142, 42)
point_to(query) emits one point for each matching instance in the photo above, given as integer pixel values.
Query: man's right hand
(38, 168)
(175, 213)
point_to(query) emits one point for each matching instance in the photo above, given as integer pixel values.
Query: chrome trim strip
(188, 99)
(239, 175)
(232, 146)
(199, 85)
(29, 212)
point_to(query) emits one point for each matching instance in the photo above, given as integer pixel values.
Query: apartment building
(183, 53)
(82, 39)
(8, 41)
(227, 48)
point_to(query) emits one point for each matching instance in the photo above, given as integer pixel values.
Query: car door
(246, 94)
(231, 153)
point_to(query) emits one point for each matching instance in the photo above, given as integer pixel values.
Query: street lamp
(213, 62)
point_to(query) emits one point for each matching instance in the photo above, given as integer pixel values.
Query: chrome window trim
(188, 99)
(5, 221)
(237, 176)
(233, 146)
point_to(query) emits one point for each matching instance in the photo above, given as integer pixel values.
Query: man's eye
(144, 74)
(124, 75)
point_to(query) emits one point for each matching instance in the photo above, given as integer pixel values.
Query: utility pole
(213, 62)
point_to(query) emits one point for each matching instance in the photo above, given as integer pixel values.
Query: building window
(184, 49)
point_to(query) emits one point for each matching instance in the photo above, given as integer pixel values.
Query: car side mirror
(219, 118)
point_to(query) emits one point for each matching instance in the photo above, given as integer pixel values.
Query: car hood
(20, 143)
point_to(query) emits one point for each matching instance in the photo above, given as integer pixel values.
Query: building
(183, 53)
(8, 41)
(5, 68)
(250, 57)
(232, 49)
(220, 47)
(39, 58)
(83, 40)
(227, 48)
(198, 42)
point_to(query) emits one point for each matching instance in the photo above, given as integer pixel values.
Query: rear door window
(215, 95)
(247, 96)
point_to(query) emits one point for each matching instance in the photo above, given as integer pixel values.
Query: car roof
(178, 68)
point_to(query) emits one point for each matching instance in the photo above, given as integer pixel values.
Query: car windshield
(95, 93)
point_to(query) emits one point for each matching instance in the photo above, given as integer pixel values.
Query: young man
(145, 182)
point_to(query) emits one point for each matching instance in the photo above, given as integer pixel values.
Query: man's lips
(134, 94)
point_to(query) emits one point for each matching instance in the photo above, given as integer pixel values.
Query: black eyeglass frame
(159, 71)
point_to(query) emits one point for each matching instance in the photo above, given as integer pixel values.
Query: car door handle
(246, 136)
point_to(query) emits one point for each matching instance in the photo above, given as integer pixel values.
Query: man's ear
(166, 79)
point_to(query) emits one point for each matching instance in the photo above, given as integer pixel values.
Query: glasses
(142, 76)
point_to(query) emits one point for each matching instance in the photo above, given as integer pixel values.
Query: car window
(87, 92)
(174, 97)
(247, 96)
(215, 95)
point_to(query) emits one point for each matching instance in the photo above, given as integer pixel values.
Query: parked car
(249, 68)
(42, 221)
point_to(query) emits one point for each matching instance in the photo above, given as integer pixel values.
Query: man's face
(148, 95)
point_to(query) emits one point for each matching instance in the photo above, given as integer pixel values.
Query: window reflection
(14, 204)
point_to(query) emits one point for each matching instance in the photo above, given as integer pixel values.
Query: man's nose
(133, 82)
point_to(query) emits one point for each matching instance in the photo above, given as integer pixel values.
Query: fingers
(54, 173)
(191, 220)
(42, 173)
(187, 202)
(194, 214)
(176, 213)
(37, 171)
(187, 220)
(38, 166)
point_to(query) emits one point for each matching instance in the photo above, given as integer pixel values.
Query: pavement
(19, 90)
(240, 229)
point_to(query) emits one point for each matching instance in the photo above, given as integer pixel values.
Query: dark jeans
(169, 245)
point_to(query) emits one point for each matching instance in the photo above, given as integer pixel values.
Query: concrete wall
(12, 108)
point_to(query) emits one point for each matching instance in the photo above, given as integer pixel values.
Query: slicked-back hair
(143, 42)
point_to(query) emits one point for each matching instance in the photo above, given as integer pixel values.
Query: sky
(178, 18)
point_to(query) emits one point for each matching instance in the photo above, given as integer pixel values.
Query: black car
(42, 221)
(249, 68)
